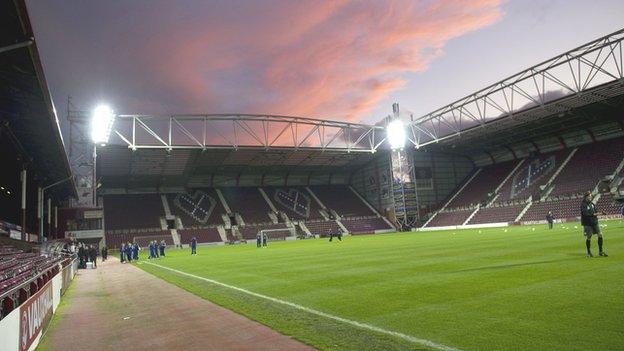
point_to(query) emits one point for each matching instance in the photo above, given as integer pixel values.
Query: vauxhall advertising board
(34, 315)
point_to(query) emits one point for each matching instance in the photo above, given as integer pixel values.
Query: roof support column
(24, 178)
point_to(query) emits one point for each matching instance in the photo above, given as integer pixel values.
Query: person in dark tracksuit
(129, 252)
(589, 220)
(194, 246)
(258, 241)
(122, 253)
(93, 255)
(104, 253)
(135, 252)
(162, 248)
(550, 219)
(264, 239)
(337, 235)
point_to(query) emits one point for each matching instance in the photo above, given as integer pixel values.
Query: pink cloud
(334, 59)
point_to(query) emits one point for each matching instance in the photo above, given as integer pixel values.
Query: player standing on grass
(589, 220)
(551, 219)
(193, 246)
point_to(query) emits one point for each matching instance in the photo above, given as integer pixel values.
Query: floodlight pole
(42, 204)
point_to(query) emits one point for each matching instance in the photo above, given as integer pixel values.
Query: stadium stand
(482, 184)
(589, 165)
(322, 227)
(560, 207)
(22, 274)
(115, 239)
(199, 207)
(527, 179)
(365, 225)
(132, 211)
(456, 217)
(249, 232)
(203, 235)
(608, 204)
(249, 203)
(496, 214)
(296, 202)
(144, 241)
(342, 200)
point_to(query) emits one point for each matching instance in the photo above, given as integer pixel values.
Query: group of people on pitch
(261, 240)
(129, 252)
(156, 249)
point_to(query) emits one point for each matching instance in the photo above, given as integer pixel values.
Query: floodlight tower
(402, 166)
(86, 131)
(102, 120)
(81, 159)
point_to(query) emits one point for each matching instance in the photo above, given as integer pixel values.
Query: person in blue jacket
(194, 246)
(129, 252)
(162, 248)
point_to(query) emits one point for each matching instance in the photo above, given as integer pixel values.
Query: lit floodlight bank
(395, 133)
(102, 124)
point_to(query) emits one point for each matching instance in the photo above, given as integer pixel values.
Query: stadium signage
(34, 315)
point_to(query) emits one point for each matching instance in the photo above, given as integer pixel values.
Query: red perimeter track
(120, 307)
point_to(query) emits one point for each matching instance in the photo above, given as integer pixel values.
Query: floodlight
(395, 133)
(102, 124)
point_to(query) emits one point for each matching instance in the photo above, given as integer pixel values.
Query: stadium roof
(121, 167)
(26, 107)
(147, 151)
(578, 90)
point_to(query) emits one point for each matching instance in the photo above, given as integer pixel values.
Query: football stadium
(494, 222)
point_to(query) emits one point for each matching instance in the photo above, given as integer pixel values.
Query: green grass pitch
(491, 289)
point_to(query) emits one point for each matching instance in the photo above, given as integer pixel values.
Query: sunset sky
(345, 60)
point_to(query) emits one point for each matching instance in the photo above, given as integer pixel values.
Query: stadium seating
(321, 228)
(132, 211)
(23, 274)
(496, 214)
(561, 208)
(342, 200)
(203, 235)
(249, 232)
(365, 225)
(607, 204)
(590, 164)
(527, 179)
(114, 240)
(295, 202)
(481, 185)
(199, 207)
(249, 203)
(456, 217)
(145, 241)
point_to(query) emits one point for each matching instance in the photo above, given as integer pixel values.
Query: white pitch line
(357, 324)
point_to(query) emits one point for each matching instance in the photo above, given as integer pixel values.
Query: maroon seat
(249, 203)
(203, 235)
(456, 217)
(365, 225)
(342, 200)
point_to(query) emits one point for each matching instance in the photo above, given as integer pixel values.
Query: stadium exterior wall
(21, 330)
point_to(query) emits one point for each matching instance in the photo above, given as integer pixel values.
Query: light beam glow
(102, 121)
(395, 133)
